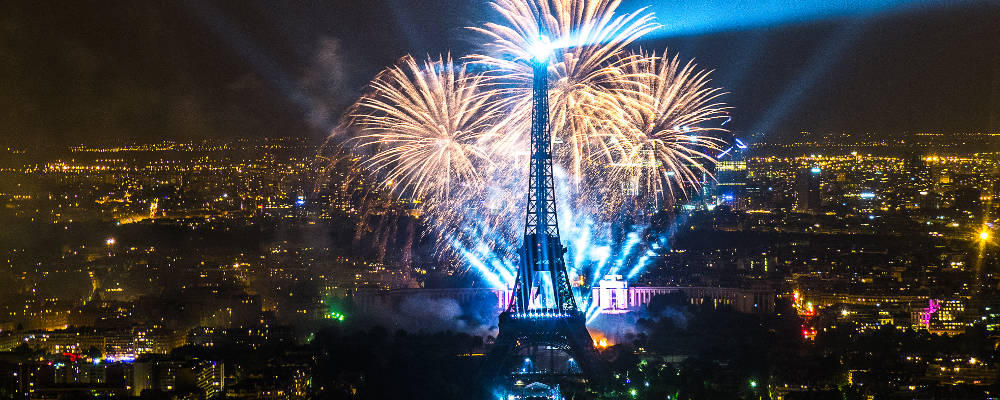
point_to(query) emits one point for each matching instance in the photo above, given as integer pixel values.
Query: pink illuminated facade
(612, 295)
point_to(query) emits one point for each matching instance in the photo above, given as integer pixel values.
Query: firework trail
(630, 134)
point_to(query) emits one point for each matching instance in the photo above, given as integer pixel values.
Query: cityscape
(499, 225)
(107, 276)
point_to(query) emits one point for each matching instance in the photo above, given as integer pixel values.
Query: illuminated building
(962, 372)
(741, 300)
(732, 183)
(807, 190)
(137, 341)
(57, 342)
(947, 316)
(611, 295)
(211, 378)
(868, 318)
(991, 316)
(80, 372)
(17, 376)
(155, 375)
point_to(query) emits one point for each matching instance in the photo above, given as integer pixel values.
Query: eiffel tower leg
(569, 334)
(491, 373)
(581, 347)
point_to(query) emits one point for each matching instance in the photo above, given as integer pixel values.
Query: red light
(808, 333)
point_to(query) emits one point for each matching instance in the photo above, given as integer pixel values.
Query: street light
(984, 235)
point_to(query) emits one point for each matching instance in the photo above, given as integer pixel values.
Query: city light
(122, 358)
(984, 235)
(335, 316)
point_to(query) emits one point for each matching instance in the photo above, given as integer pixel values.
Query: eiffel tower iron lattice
(542, 317)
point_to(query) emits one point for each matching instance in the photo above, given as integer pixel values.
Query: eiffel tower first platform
(543, 342)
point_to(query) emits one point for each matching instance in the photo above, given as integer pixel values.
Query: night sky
(74, 71)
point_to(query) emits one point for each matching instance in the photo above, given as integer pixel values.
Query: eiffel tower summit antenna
(543, 340)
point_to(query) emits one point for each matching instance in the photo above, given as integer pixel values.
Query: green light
(753, 383)
(633, 392)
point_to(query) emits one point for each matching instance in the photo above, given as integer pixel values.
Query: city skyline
(137, 255)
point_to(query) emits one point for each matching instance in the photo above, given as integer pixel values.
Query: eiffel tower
(543, 338)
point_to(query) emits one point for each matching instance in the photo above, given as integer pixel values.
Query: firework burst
(625, 127)
(589, 36)
(660, 125)
(427, 132)
(427, 125)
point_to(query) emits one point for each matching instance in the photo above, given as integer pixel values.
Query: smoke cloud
(326, 84)
(422, 313)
